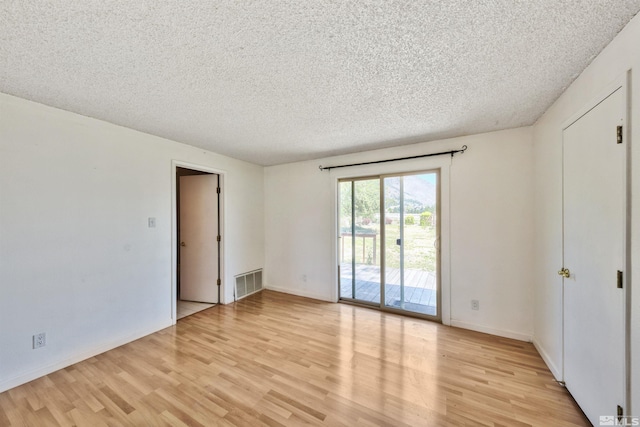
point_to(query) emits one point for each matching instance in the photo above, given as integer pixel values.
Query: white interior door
(198, 238)
(594, 196)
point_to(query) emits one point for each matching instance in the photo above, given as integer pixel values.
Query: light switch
(152, 222)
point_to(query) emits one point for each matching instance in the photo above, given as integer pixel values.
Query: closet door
(594, 210)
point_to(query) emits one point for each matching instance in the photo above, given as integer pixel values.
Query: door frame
(622, 83)
(443, 164)
(174, 230)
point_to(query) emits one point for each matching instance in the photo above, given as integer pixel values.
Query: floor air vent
(248, 283)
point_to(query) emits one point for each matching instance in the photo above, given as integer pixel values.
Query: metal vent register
(248, 283)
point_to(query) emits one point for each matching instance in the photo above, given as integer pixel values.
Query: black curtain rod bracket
(443, 153)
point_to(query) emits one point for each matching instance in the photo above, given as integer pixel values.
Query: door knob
(183, 244)
(564, 273)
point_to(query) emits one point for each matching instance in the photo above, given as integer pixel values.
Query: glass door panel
(421, 254)
(411, 238)
(360, 240)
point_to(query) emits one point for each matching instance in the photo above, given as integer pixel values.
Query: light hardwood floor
(274, 359)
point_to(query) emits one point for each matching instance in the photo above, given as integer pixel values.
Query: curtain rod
(452, 152)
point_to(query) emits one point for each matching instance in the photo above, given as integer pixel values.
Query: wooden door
(198, 238)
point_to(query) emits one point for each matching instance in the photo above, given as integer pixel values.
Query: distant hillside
(418, 193)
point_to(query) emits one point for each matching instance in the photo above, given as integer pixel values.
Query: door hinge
(218, 190)
(219, 282)
(619, 134)
(619, 279)
(219, 238)
(620, 413)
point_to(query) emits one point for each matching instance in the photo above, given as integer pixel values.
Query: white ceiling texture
(277, 81)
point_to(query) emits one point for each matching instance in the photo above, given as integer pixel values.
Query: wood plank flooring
(278, 360)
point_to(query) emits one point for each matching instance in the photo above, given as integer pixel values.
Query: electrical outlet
(304, 278)
(39, 340)
(152, 222)
(475, 304)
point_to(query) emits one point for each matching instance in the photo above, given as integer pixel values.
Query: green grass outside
(419, 251)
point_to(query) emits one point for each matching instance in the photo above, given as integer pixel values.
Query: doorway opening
(198, 238)
(389, 242)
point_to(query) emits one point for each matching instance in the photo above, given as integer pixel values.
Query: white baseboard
(545, 356)
(499, 332)
(75, 358)
(299, 293)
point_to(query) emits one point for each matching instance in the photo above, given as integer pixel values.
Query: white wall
(77, 260)
(622, 54)
(491, 226)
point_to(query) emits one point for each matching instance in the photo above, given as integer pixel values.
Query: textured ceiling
(276, 81)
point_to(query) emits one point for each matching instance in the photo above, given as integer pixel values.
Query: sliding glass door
(389, 242)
